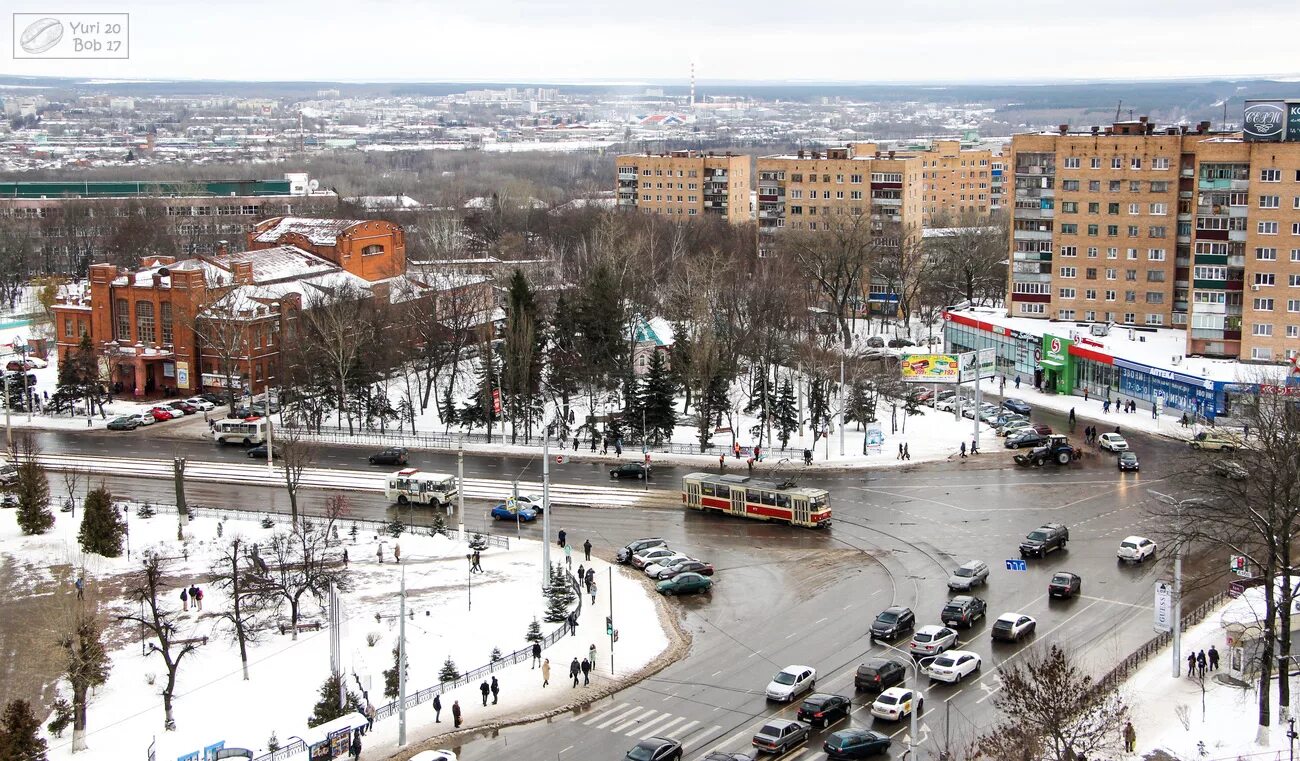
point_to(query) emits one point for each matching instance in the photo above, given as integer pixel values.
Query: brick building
(165, 327)
(685, 183)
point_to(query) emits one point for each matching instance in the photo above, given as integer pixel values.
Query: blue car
(1017, 406)
(503, 513)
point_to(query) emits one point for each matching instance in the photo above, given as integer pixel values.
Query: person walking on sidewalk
(1200, 664)
(437, 709)
(900, 450)
(185, 598)
(537, 653)
(963, 450)
(485, 688)
(560, 537)
(582, 572)
(495, 689)
(591, 589)
(1214, 658)
(575, 670)
(907, 452)
(586, 548)
(586, 672)
(1130, 737)
(591, 656)
(355, 750)
(546, 672)
(1017, 382)
(974, 446)
(455, 713)
(568, 557)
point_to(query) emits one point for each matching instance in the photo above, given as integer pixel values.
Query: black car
(820, 709)
(1064, 584)
(1044, 539)
(892, 622)
(1026, 438)
(217, 400)
(1129, 460)
(856, 743)
(879, 674)
(963, 610)
(630, 470)
(655, 749)
(899, 343)
(390, 456)
(259, 452)
(1017, 406)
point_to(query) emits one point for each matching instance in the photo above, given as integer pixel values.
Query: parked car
(684, 584)
(963, 610)
(31, 363)
(652, 569)
(1018, 406)
(184, 407)
(821, 708)
(651, 555)
(503, 513)
(1042, 428)
(689, 565)
(719, 755)
(985, 410)
(213, 398)
(144, 418)
(123, 423)
(8, 474)
(434, 755)
(791, 682)
(1128, 460)
(1231, 469)
(262, 408)
(932, 639)
(1216, 440)
(203, 404)
(1012, 627)
(655, 749)
(1044, 539)
(896, 704)
(1026, 437)
(921, 395)
(1135, 549)
(630, 470)
(779, 736)
(389, 456)
(160, 414)
(1064, 584)
(879, 674)
(969, 575)
(531, 501)
(876, 342)
(990, 415)
(953, 666)
(1014, 425)
(892, 621)
(856, 743)
(1113, 442)
(624, 553)
(947, 405)
(899, 343)
(259, 452)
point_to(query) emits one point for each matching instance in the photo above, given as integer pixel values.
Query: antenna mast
(692, 85)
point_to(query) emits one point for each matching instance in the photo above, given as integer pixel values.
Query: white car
(895, 703)
(651, 555)
(1113, 441)
(434, 755)
(652, 569)
(790, 682)
(953, 666)
(203, 404)
(531, 501)
(932, 639)
(143, 418)
(1136, 549)
(1012, 627)
(947, 405)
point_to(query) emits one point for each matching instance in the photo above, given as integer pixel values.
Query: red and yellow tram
(761, 500)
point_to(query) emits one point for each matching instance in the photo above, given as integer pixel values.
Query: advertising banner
(930, 368)
(1264, 120)
(875, 437)
(1164, 613)
(1292, 121)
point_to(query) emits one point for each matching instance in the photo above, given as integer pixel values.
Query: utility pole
(514, 504)
(798, 382)
(546, 507)
(401, 666)
(460, 491)
(270, 468)
(1178, 596)
(611, 620)
(841, 406)
(9, 428)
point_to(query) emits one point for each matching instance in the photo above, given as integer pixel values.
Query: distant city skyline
(564, 41)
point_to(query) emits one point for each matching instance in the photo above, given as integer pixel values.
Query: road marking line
(730, 740)
(566, 750)
(989, 692)
(792, 635)
(635, 718)
(607, 722)
(719, 671)
(667, 698)
(818, 621)
(751, 655)
(698, 735)
(1117, 602)
(650, 727)
(601, 714)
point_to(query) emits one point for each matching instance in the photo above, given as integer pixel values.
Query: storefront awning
(1054, 364)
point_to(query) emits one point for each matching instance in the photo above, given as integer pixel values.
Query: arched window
(123, 315)
(373, 250)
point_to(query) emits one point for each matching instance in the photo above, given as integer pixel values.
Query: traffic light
(1238, 563)
(609, 625)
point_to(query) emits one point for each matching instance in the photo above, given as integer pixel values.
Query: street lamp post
(401, 665)
(916, 679)
(1176, 617)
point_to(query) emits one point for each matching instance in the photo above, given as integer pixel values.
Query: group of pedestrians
(1198, 663)
(904, 453)
(191, 594)
(974, 448)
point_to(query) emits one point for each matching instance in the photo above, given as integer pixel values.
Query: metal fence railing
(1154, 645)
(422, 440)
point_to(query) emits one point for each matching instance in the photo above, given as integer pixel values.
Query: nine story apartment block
(686, 184)
(960, 184)
(1142, 226)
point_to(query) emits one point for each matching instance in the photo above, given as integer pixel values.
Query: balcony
(887, 201)
(1032, 235)
(1237, 235)
(627, 175)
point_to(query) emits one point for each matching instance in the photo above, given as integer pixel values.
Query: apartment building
(960, 183)
(1180, 227)
(685, 183)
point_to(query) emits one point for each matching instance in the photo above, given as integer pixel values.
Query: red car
(161, 413)
(185, 407)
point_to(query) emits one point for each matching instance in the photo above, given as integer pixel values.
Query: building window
(1264, 279)
(1209, 272)
(1094, 186)
(1069, 251)
(1069, 207)
(1269, 202)
(1270, 175)
(1266, 254)
(67, 327)
(1090, 294)
(144, 324)
(1263, 305)
(1263, 329)
(1112, 231)
(1135, 163)
(166, 318)
(1032, 309)
(123, 314)
(1155, 276)
(1110, 295)
(1159, 208)
(1067, 293)
(1267, 228)
(1092, 229)
(1068, 228)
(1160, 162)
(1117, 162)
(1072, 163)
(1293, 305)
(1113, 208)
(1065, 314)
(1090, 273)
(1094, 163)
(1155, 319)
(1260, 352)
(1156, 254)
(1069, 272)
(1069, 185)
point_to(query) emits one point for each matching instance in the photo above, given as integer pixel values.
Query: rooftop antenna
(692, 85)
(1130, 114)
(1225, 114)
(1118, 106)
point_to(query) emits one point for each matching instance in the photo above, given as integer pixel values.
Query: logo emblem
(41, 35)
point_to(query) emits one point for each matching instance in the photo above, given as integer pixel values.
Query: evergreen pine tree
(534, 632)
(33, 490)
(390, 675)
(559, 595)
(477, 542)
(327, 706)
(819, 414)
(480, 410)
(631, 415)
(785, 415)
(657, 400)
(438, 525)
(495, 656)
(448, 672)
(102, 528)
(20, 738)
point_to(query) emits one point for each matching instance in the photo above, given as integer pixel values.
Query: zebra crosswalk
(641, 722)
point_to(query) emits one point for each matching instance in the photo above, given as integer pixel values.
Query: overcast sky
(580, 40)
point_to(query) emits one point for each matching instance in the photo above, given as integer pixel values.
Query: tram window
(723, 491)
(817, 501)
(782, 500)
(706, 489)
(769, 498)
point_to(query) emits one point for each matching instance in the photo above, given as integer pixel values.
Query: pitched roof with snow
(321, 232)
(271, 265)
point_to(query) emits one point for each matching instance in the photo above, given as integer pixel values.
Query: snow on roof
(321, 232)
(1156, 347)
(384, 203)
(277, 263)
(655, 330)
(1248, 609)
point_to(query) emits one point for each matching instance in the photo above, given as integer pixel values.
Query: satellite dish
(312, 185)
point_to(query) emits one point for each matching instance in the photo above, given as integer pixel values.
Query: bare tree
(232, 572)
(331, 324)
(836, 261)
(301, 564)
(223, 325)
(161, 624)
(297, 453)
(971, 255)
(86, 664)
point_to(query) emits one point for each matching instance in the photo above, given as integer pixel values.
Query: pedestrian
(582, 573)
(485, 688)
(568, 557)
(185, 599)
(963, 450)
(561, 537)
(1116, 429)
(356, 745)
(722, 462)
(807, 457)
(573, 623)
(586, 672)
(198, 597)
(1002, 384)
(1153, 411)
(1200, 664)
(1085, 395)
(586, 548)
(397, 553)
(495, 689)
(455, 712)
(1130, 737)
(1105, 406)
(604, 445)
(1071, 416)
(974, 446)
(907, 452)
(478, 561)
(575, 443)
(379, 554)
(735, 448)
(546, 672)
(618, 448)
(469, 558)
(575, 670)
(900, 450)
(593, 442)
(1017, 382)
(437, 709)
(81, 587)
(370, 715)
(591, 587)
(750, 463)
(1191, 665)
(591, 655)
(1214, 659)
(537, 653)
(1245, 432)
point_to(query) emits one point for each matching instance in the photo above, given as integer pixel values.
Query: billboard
(1293, 121)
(1164, 607)
(930, 368)
(982, 362)
(1264, 120)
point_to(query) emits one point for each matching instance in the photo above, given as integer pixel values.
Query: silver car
(969, 575)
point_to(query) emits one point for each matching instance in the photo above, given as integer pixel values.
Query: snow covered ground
(448, 618)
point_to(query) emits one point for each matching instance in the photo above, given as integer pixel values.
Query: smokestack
(692, 85)
(1063, 128)
(891, 154)
(1203, 127)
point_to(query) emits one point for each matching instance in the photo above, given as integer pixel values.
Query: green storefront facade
(1057, 364)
